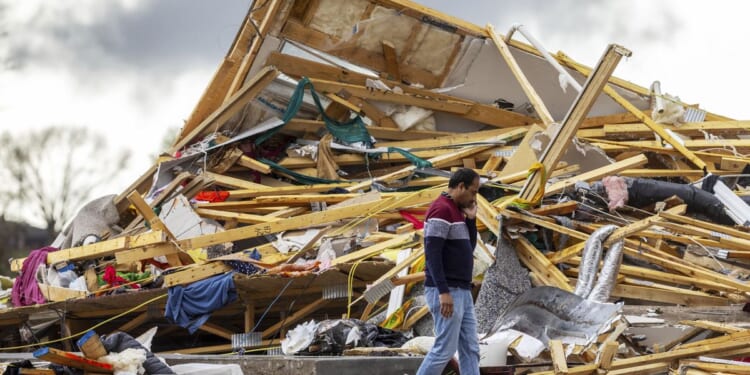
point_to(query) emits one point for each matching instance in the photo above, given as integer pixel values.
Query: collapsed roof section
(425, 54)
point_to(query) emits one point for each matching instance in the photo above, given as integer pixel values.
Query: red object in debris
(418, 224)
(212, 196)
(113, 279)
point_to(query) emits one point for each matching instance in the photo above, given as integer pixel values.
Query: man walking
(450, 234)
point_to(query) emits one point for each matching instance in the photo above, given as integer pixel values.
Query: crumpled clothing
(617, 191)
(25, 289)
(191, 306)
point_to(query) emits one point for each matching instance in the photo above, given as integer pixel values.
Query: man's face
(466, 196)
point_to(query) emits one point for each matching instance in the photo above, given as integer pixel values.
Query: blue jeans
(459, 332)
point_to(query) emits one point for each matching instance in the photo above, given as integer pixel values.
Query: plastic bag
(299, 338)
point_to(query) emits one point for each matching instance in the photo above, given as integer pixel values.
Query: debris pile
(297, 189)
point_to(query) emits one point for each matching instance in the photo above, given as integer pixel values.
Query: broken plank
(239, 217)
(134, 255)
(666, 296)
(540, 265)
(99, 249)
(713, 326)
(322, 217)
(195, 273)
(597, 174)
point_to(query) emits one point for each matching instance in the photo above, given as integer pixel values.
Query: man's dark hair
(465, 175)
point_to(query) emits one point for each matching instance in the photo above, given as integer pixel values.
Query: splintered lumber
(69, 359)
(561, 140)
(442, 160)
(628, 365)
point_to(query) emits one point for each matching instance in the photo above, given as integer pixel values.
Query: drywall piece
(183, 222)
(433, 49)
(588, 157)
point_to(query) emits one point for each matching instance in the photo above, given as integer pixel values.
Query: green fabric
(351, 131)
(414, 159)
(299, 177)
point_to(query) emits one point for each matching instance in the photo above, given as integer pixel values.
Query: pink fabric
(25, 289)
(617, 191)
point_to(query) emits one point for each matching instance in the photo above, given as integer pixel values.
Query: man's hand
(471, 212)
(446, 305)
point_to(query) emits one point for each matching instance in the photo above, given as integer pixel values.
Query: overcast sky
(134, 68)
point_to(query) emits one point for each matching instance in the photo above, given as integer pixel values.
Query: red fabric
(418, 224)
(212, 196)
(111, 277)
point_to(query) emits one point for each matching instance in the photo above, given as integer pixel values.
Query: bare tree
(52, 171)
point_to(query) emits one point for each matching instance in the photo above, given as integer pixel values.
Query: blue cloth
(459, 332)
(191, 306)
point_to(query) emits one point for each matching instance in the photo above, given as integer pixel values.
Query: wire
(271, 304)
(95, 326)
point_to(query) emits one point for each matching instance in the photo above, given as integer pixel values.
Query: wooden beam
(442, 160)
(606, 354)
(735, 341)
(239, 217)
(253, 164)
(426, 99)
(560, 142)
(270, 8)
(135, 322)
(532, 258)
(713, 326)
(557, 353)
(230, 108)
(300, 221)
(195, 273)
(526, 86)
(216, 330)
(391, 61)
(597, 174)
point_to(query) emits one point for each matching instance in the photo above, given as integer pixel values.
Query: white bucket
(493, 351)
